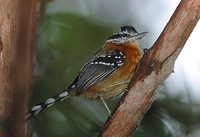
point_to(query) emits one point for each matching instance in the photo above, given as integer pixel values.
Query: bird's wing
(97, 69)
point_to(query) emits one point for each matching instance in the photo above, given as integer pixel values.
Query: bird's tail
(45, 104)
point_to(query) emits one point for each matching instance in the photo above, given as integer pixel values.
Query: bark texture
(155, 66)
(17, 32)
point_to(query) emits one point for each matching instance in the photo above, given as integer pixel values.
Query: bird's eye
(125, 36)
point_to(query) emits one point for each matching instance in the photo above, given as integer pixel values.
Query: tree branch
(155, 66)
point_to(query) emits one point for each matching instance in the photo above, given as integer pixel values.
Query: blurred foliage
(65, 42)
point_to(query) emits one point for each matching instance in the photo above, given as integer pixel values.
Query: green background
(67, 37)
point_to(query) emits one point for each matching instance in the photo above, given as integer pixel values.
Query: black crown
(129, 29)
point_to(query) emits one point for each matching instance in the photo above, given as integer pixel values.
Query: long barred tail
(45, 104)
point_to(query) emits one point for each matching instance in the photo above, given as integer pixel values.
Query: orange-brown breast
(118, 81)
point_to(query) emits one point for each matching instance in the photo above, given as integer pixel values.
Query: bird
(106, 74)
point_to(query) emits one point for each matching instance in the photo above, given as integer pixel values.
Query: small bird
(106, 74)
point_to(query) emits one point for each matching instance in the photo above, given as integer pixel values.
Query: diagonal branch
(155, 66)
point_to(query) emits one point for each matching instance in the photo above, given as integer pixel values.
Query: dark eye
(125, 35)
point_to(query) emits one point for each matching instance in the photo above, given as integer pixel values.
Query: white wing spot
(73, 86)
(121, 53)
(120, 64)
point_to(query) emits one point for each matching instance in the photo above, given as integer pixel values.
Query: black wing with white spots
(97, 69)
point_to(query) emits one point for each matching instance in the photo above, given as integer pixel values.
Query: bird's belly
(113, 91)
(106, 92)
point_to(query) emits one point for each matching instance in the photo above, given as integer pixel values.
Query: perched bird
(106, 74)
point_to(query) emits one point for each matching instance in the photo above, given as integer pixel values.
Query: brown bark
(156, 65)
(17, 32)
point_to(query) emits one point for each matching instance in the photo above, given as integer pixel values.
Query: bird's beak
(140, 35)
